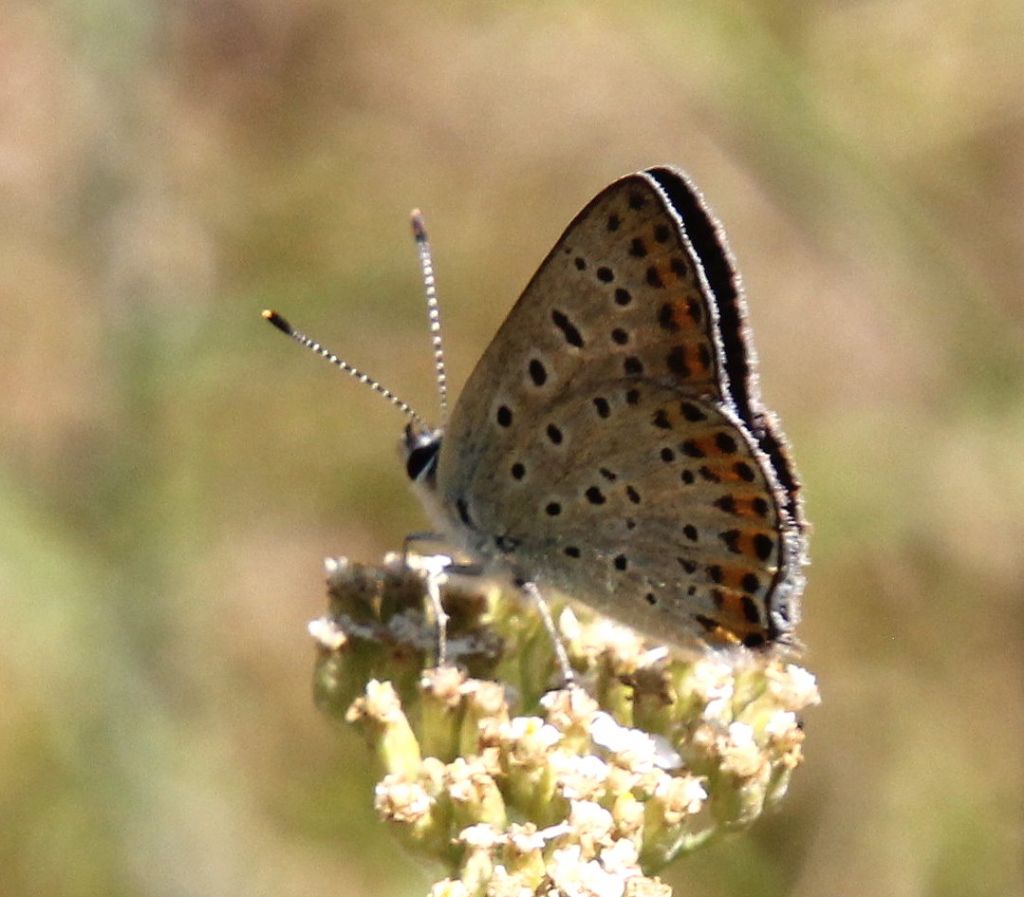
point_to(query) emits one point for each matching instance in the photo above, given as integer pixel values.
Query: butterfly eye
(421, 462)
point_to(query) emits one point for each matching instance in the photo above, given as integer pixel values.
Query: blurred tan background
(172, 471)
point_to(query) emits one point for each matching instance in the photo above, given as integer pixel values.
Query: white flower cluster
(648, 756)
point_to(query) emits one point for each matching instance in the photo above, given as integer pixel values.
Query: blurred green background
(173, 471)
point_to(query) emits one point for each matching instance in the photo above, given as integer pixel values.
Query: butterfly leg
(530, 588)
(435, 568)
(413, 539)
(466, 569)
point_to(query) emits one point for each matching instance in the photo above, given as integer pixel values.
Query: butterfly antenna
(419, 231)
(281, 324)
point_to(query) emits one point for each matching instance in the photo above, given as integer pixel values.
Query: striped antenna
(419, 231)
(281, 324)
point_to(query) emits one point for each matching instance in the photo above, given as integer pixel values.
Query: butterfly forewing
(619, 289)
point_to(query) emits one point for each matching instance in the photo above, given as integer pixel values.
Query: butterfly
(611, 443)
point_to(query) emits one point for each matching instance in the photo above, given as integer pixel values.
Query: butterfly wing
(610, 441)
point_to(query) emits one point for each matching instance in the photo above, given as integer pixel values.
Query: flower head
(520, 789)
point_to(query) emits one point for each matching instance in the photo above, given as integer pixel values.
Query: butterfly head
(421, 449)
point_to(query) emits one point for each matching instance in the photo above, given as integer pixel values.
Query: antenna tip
(280, 323)
(419, 230)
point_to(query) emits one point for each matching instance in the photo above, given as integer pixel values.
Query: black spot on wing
(569, 330)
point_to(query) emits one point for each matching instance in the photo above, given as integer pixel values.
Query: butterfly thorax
(448, 512)
(422, 454)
